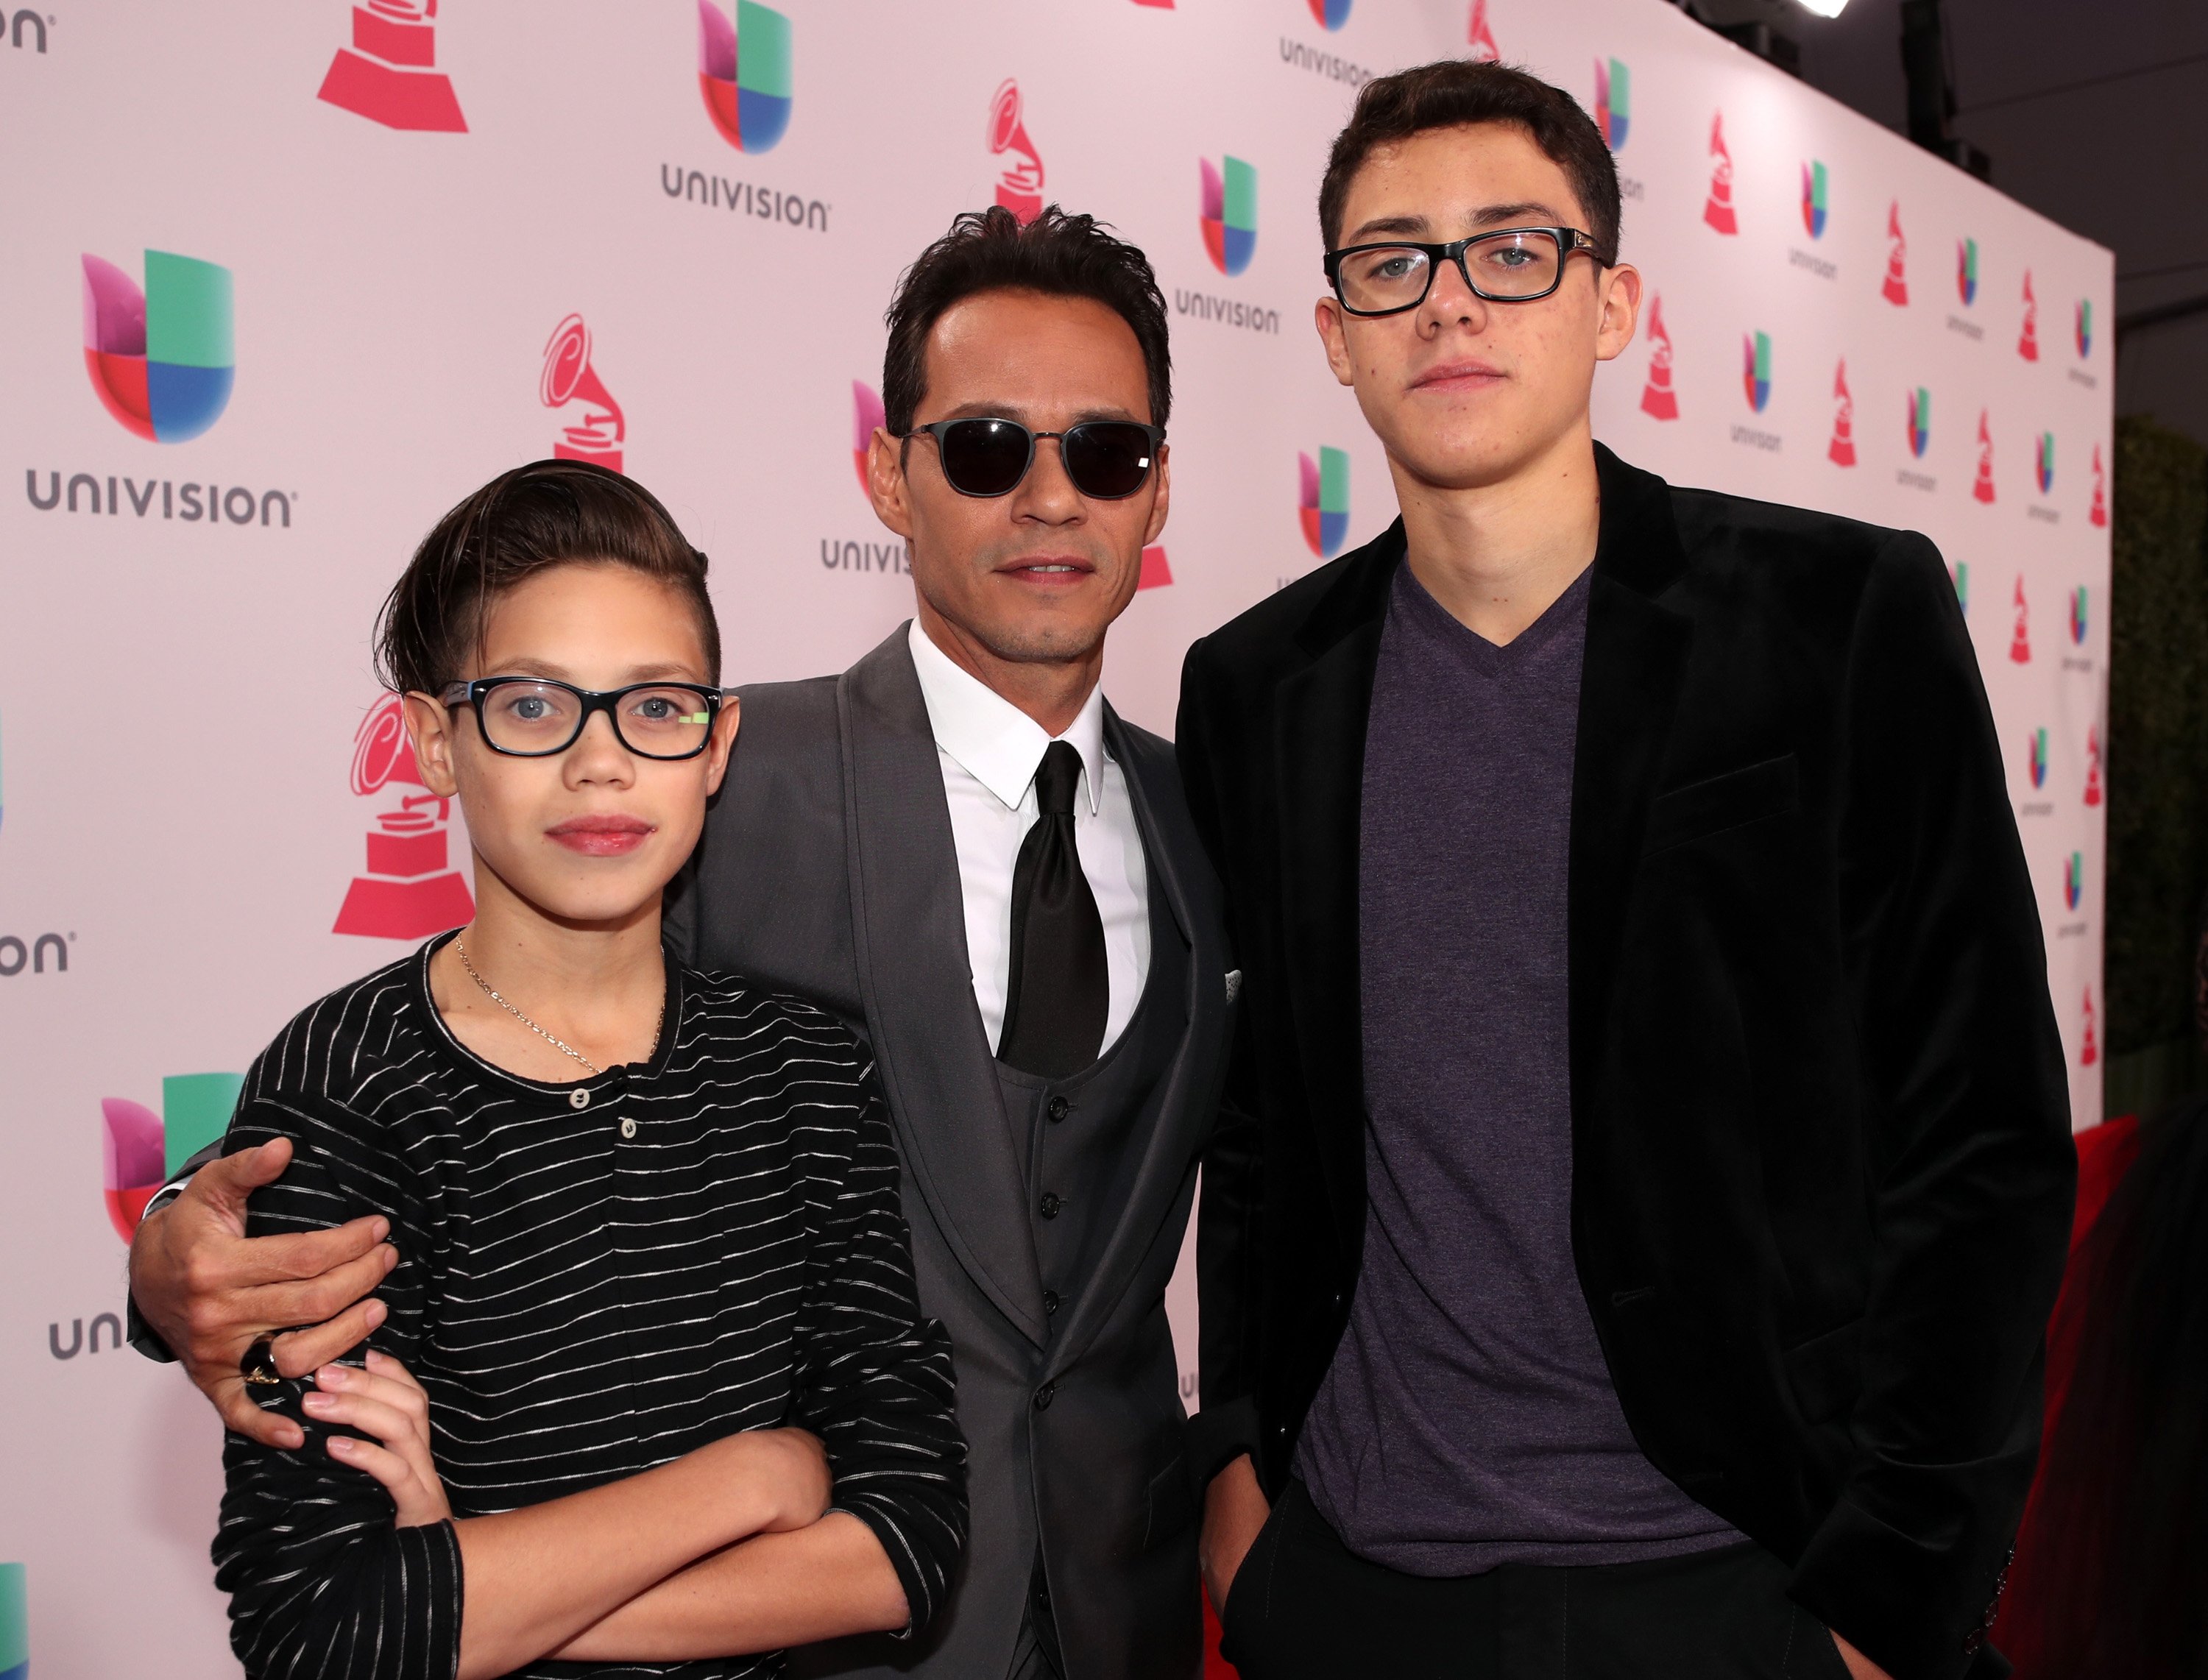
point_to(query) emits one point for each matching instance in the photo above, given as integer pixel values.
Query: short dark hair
(990, 250)
(1455, 91)
(526, 521)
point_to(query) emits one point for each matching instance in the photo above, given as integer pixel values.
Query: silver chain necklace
(557, 1044)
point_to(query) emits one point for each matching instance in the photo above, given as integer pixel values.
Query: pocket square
(1233, 984)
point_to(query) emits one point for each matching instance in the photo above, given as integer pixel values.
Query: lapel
(1318, 751)
(1630, 684)
(1169, 849)
(909, 936)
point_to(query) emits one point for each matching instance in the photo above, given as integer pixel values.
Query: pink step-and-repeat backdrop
(283, 281)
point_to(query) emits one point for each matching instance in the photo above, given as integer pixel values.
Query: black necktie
(1059, 989)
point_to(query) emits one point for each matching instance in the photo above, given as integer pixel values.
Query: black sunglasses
(1106, 459)
(534, 717)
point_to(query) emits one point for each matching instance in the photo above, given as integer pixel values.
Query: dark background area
(2096, 116)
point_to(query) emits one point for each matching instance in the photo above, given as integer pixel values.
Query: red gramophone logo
(1019, 188)
(2019, 644)
(2092, 766)
(389, 74)
(1717, 209)
(1657, 397)
(2027, 341)
(2088, 1052)
(1155, 573)
(1481, 38)
(1841, 451)
(2098, 513)
(1982, 489)
(569, 378)
(1896, 289)
(409, 891)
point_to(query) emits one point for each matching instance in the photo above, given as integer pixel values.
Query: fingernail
(316, 1403)
(332, 1377)
(377, 1313)
(390, 1258)
(290, 1437)
(381, 1227)
(341, 1445)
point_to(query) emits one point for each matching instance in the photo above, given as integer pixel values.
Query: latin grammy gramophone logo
(1019, 188)
(409, 891)
(1841, 451)
(1481, 38)
(2019, 641)
(568, 380)
(1983, 486)
(2098, 513)
(2088, 1052)
(2092, 766)
(2027, 340)
(389, 74)
(1657, 399)
(1895, 289)
(1716, 208)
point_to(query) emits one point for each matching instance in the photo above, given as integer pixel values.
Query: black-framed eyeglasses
(534, 717)
(1512, 265)
(1106, 459)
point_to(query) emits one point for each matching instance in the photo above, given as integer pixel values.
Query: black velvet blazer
(1822, 1171)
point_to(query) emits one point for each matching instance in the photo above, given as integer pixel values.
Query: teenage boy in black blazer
(1646, 1174)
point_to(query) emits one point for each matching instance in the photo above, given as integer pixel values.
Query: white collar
(993, 740)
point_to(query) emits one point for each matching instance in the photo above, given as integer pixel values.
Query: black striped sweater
(592, 1280)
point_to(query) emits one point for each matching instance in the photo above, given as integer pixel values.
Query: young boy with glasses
(648, 1389)
(1646, 1168)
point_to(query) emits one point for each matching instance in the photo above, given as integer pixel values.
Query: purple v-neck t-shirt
(1468, 1419)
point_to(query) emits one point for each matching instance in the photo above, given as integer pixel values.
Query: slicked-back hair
(529, 520)
(990, 250)
(1454, 93)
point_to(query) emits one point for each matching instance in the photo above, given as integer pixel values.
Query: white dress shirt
(989, 751)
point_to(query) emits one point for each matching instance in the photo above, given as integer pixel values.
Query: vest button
(578, 1099)
(628, 1127)
(1050, 1300)
(1051, 1204)
(1044, 1395)
(1056, 1108)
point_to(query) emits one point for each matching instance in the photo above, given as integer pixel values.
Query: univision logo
(1813, 199)
(162, 360)
(2036, 758)
(15, 1599)
(1920, 422)
(1229, 212)
(1332, 14)
(1613, 100)
(1756, 368)
(743, 71)
(1966, 271)
(2043, 462)
(2073, 879)
(142, 1149)
(2084, 327)
(2078, 622)
(1324, 500)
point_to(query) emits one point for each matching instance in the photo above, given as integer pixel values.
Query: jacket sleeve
(1226, 1426)
(323, 1584)
(1971, 1165)
(875, 1380)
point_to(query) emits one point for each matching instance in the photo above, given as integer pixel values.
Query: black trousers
(1305, 1606)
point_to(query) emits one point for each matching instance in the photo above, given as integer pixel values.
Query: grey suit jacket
(828, 868)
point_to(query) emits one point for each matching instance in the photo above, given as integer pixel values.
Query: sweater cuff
(1217, 1436)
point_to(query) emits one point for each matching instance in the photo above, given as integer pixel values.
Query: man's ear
(429, 727)
(1619, 298)
(1327, 316)
(886, 486)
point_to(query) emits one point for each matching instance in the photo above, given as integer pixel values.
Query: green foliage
(2158, 735)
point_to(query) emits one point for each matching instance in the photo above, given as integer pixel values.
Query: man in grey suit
(961, 849)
